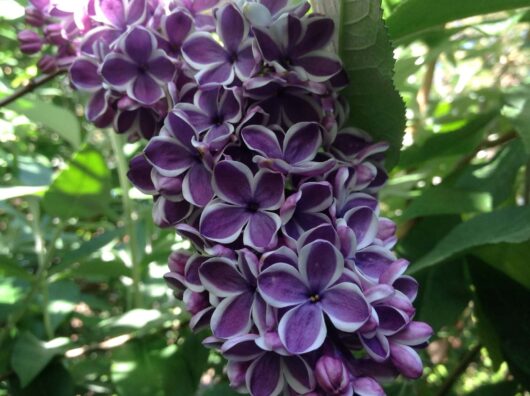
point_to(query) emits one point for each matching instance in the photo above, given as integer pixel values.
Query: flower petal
(262, 140)
(320, 265)
(416, 333)
(201, 49)
(191, 273)
(146, 90)
(215, 75)
(232, 316)
(222, 223)
(268, 190)
(264, 377)
(233, 182)
(302, 142)
(377, 347)
(267, 45)
(346, 306)
(406, 360)
(84, 75)
(261, 230)
(177, 26)
(302, 329)
(231, 27)
(161, 68)
(221, 277)
(167, 156)
(139, 44)
(197, 186)
(242, 348)
(364, 224)
(118, 71)
(298, 374)
(320, 65)
(280, 285)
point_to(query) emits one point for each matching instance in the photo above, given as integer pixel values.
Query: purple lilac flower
(140, 69)
(219, 65)
(248, 156)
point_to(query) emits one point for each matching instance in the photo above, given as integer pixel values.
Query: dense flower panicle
(249, 157)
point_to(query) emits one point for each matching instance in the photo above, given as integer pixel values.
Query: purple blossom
(245, 202)
(141, 70)
(311, 291)
(219, 65)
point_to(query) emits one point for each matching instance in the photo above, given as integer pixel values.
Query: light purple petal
(346, 306)
(264, 376)
(406, 360)
(201, 49)
(366, 386)
(302, 329)
(320, 65)
(261, 230)
(233, 182)
(191, 273)
(136, 11)
(169, 158)
(111, 11)
(245, 64)
(262, 140)
(221, 277)
(118, 71)
(223, 223)
(280, 285)
(97, 106)
(242, 348)
(321, 265)
(416, 333)
(302, 142)
(232, 316)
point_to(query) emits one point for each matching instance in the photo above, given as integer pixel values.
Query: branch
(30, 87)
(459, 370)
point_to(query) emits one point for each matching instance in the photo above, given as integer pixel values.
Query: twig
(459, 370)
(122, 167)
(424, 94)
(29, 87)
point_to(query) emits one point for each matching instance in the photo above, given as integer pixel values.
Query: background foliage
(84, 309)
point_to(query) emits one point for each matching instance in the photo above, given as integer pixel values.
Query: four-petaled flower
(246, 201)
(311, 291)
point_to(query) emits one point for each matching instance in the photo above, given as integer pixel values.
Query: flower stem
(30, 87)
(117, 142)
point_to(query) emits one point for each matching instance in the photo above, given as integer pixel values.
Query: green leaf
(512, 259)
(92, 246)
(414, 16)
(505, 304)
(496, 177)
(506, 225)
(58, 119)
(365, 49)
(31, 355)
(443, 200)
(82, 189)
(10, 267)
(499, 389)
(54, 380)
(173, 370)
(63, 297)
(460, 141)
(518, 112)
(220, 390)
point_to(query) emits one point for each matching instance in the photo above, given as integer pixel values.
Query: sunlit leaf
(82, 189)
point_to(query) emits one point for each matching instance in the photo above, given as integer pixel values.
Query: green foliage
(84, 312)
(366, 51)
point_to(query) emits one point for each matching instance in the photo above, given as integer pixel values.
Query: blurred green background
(84, 309)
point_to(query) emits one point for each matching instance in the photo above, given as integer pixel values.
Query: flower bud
(30, 42)
(177, 261)
(53, 33)
(333, 377)
(34, 17)
(47, 64)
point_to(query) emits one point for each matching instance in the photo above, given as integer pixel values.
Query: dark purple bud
(34, 17)
(177, 261)
(47, 64)
(332, 376)
(53, 33)
(30, 42)
(196, 302)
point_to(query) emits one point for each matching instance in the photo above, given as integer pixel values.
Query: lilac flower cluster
(249, 157)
